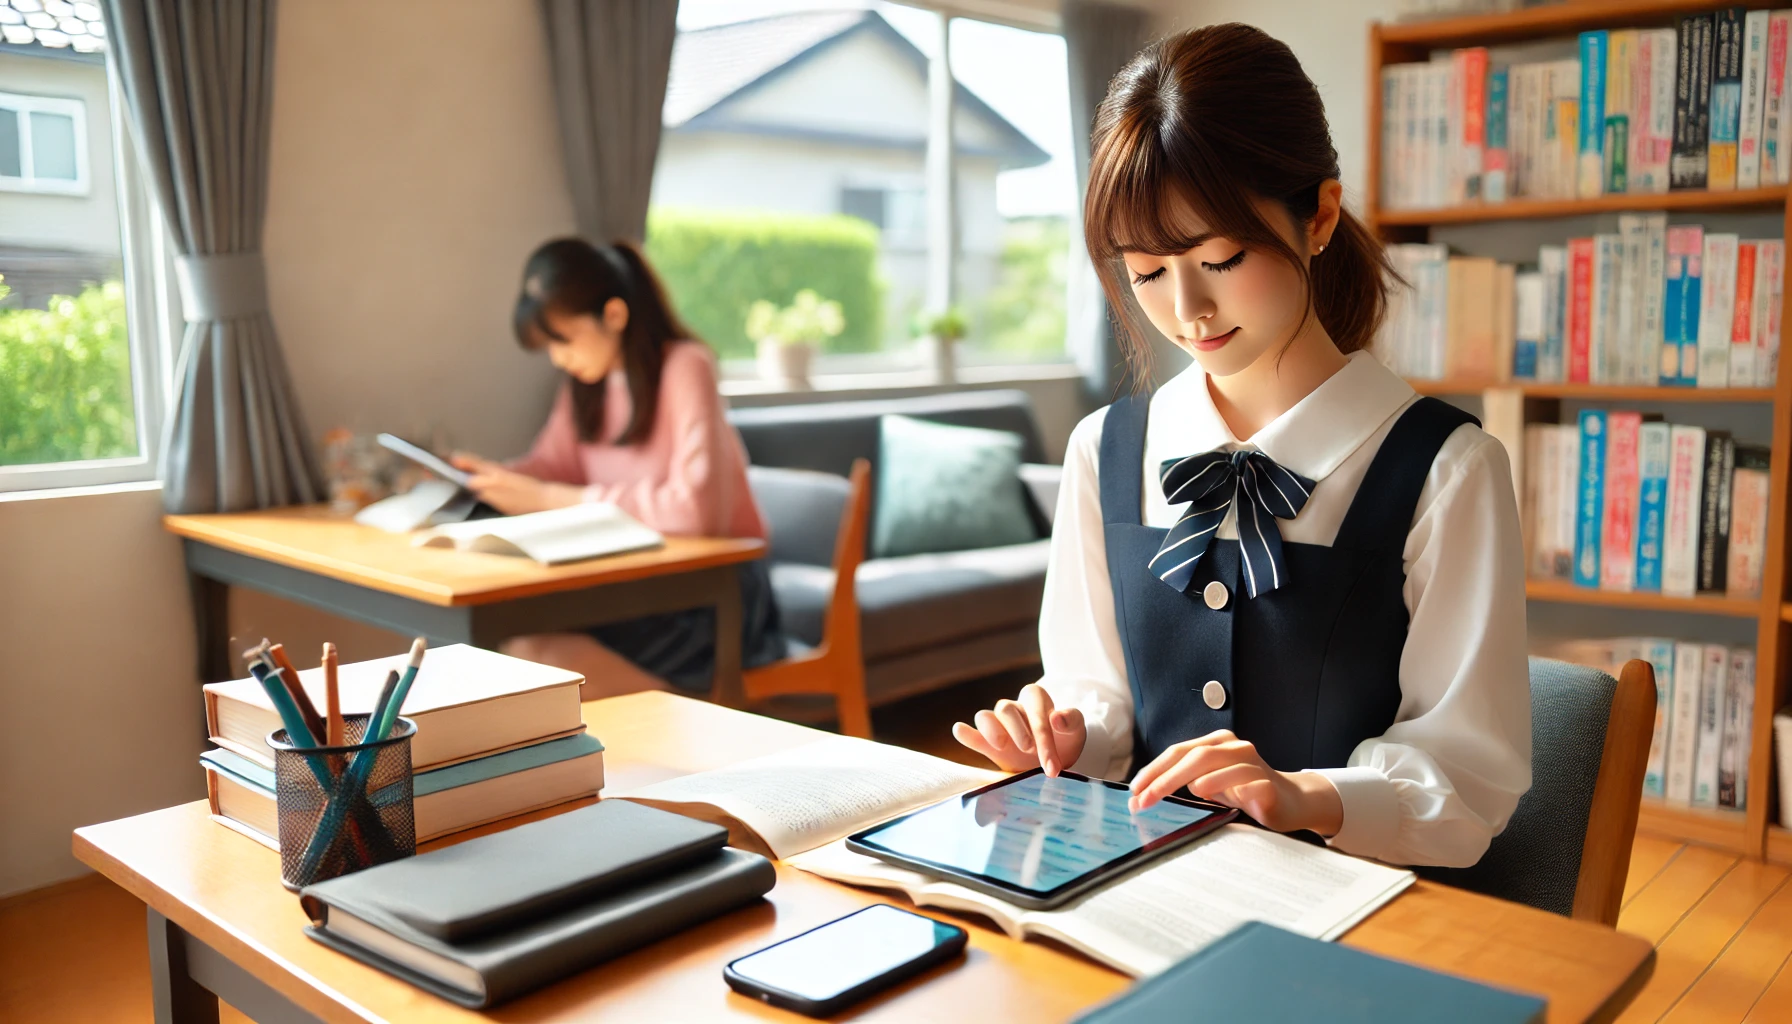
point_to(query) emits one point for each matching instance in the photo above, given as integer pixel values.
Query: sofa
(927, 620)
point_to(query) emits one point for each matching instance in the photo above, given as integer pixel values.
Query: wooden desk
(314, 556)
(220, 923)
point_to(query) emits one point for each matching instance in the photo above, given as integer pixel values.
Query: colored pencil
(313, 720)
(333, 728)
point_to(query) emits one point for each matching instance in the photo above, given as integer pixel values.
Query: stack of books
(495, 737)
(1620, 503)
(1705, 704)
(1647, 305)
(1702, 105)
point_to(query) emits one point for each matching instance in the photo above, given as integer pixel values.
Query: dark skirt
(680, 647)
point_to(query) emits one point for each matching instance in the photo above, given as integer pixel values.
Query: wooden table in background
(221, 924)
(324, 559)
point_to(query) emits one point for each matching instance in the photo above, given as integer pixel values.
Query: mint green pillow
(945, 488)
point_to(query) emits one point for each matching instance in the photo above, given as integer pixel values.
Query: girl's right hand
(1024, 733)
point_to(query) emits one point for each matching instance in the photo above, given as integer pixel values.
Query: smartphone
(828, 968)
(424, 457)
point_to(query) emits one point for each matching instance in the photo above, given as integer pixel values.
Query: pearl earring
(1321, 249)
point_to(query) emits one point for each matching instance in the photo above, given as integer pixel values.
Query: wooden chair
(835, 667)
(1567, 846)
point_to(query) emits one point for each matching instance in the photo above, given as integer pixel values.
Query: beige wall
(86, 223)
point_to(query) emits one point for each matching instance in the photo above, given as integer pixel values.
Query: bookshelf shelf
(1598, 392)
(1771, 198)
(1558, 592)
(1752, 832)
(1709, 826)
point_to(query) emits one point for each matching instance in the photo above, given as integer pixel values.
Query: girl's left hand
(1225, 769)
(510, 492)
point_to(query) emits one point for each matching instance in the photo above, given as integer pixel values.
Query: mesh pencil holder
(343, 808)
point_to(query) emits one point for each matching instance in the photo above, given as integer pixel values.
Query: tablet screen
(1034, 833)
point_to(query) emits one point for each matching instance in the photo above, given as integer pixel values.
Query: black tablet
(1038, 841)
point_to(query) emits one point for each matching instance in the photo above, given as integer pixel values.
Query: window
(794, 155)
(42, 144)
(82, 281)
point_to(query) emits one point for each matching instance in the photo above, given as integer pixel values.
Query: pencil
(333, 728)
(290, 677)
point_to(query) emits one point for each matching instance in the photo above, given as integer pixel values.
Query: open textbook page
(585, 530)
(1171, 907)
(811, 795)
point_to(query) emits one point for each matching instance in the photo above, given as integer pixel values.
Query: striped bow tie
(1213, 482)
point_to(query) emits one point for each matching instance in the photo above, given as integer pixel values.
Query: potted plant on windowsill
(787, 336)
(940, 333)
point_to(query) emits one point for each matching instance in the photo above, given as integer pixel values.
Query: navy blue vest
(1305, 672)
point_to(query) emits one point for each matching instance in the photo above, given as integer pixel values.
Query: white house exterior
(826, 112)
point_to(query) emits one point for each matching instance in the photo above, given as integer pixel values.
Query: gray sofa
(928, 620)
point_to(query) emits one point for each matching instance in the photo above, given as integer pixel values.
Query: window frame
(153, 322)
(26, 104)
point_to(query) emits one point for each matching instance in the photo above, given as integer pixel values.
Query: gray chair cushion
(1536, 860)
(920, 600)
(802, 509)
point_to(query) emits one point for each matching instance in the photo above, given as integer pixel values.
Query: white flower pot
(940, 357)
(786, 363)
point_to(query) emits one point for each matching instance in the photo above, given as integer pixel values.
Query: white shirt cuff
(1371, 810)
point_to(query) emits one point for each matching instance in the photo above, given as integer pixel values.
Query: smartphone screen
(821, 964)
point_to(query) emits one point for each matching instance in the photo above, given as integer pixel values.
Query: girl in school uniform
(1283, 581)
(639, 423)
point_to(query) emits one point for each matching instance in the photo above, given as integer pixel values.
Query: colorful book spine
(1552, 263)
(1717, 307)
(1496, 158)
(1726, 99)
(1742, 319)
(1652, 112)
(1649, 338)
(1653, 443)
(1754, 99)
(1617, 532)
(1567, 511)
(1714, 692)
(1770, 270)
(1681, 306)
(1689, 164)
(1776, 118)
(1590, 498)
(1680, 541)
(1605, 346)
(1471, 112)
(1748, 522)
(1683, 720)
(1580, 310)
(1620, 66)
(1732, 768)
(1624, 357)
(1714, 512)
(1660, 656)
(1590, 167)
(1527, 289)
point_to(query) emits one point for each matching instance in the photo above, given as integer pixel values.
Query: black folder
(492, 918)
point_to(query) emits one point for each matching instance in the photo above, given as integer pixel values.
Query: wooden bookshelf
(1771, 198)
(1751, 831)
(1598, 392)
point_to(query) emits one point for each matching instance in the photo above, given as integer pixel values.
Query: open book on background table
(799, 805)
(585, 530)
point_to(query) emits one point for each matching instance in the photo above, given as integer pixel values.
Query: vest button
(1215, 595)
(1214, 694)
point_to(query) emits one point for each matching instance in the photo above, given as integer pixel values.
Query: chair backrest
(803, 510)
(1566, 848)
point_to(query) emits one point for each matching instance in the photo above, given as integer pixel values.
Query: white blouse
(1445, 777)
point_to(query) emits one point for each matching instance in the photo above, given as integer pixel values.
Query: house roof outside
(51, 25)
(715, 65)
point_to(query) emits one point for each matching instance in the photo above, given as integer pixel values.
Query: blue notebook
(1262, 973)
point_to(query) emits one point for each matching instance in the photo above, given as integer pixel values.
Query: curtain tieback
(222, 287)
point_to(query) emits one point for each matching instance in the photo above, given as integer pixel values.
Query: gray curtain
(1099, 40)
(198, 80)
(609, 60)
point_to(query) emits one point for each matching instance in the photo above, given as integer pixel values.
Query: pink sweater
(688, 478)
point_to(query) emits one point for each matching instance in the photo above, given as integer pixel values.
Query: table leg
(211, 622)
(177, 998)
(725, 687)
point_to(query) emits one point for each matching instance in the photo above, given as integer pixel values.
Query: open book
(799, 805)
(585, 530)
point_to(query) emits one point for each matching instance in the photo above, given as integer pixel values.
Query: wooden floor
(1722, 926)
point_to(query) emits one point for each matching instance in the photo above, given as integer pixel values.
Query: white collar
(1312, 438)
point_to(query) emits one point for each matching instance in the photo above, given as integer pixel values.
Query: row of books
(1622, 503)
(1702, 105)
(1704, 707)
(1650, 304)
(495, 737)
